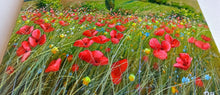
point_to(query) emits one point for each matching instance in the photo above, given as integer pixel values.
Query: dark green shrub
(56, 4)
(110, 4)
(158, 1)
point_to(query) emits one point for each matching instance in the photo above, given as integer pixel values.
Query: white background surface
(211, 12)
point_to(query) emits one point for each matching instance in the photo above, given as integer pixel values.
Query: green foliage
(110, 4)
(56, 4)
(183, 6)
(158, 1)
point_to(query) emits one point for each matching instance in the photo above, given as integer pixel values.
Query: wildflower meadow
(86, 50)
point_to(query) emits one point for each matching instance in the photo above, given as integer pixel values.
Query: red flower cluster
(205, 38)
(116, 37)
(54, 66)
(63, 23)
(100, 39)
(199, 82)
(85, 42)
(47, 27)
(90, 33)
(199, 44)
(25, 30)
(24, 50)
(95, 58)
(120, 28)
(37, 38)
(117, 70)
(160, 50)
(174, 42)
(159, 32)
(183, 62)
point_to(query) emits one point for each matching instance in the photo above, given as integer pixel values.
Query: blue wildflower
(184, 50)
(155, 27)
(207, 77)
(190, 75)
(70, 74)
(39, 71)
(67, 55)
(192, 78)
(15, 44)
(181, 34)
(175, 71)
(185, 80)
(147, 34)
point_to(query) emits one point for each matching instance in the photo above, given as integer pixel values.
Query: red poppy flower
(191, 40)
(25, 56)
(37, 38)
(46, 27)
(199, 82)
(120, 28)
(168, 30)
(24, 51)
(145, 58)
(161, 54)
(107, 49)
(180, 26)
(117, 70)
(159, 32)
(53, 21)
(89, 19)
(76, 18)
(75, 67)
(85, 42)
(24, 18)
(90, 33)
(160, 50)
(111, 25)
(25, 30)
(39, 21)
(63, 23)
(100, 39)
(148, 27)
(153, 20)
(95, 58)
(54, 66)
(82, 20)
(116, 79)
(205, 38)
(202, 45)
(99, 24)
(174, 42)
(9, 70)
(177, 35)
(183, 62)
(115, 37)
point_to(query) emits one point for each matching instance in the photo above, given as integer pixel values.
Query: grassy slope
(45, 56)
